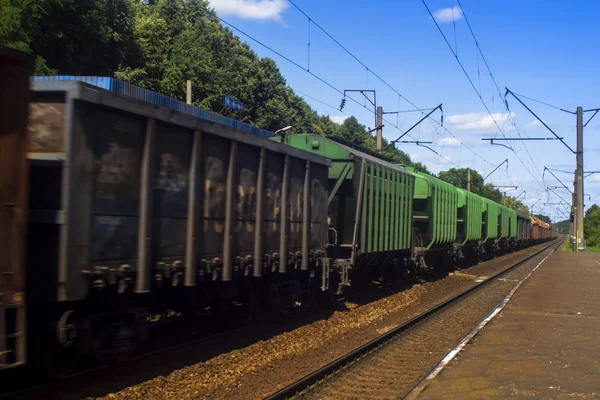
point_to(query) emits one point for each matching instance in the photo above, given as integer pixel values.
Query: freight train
(116, 202)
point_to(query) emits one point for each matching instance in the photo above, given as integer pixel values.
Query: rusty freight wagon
(136, 207)
(15, 68)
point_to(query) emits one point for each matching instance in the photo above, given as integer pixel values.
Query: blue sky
(546, 50)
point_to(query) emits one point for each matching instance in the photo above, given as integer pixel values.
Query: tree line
(591, 227)
(459, 178)
(159, 44)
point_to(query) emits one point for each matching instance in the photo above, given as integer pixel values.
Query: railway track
(395, 363)
(80, 381)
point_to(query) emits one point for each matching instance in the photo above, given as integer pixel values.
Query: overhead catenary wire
(318, 101)
(369, 70)
(544, 103)
(493, 79)
(422, 111)
(320, 79)
(463, 69)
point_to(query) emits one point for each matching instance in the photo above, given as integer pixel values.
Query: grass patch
(566, 246)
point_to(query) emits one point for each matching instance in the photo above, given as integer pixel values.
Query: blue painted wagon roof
(149, 96)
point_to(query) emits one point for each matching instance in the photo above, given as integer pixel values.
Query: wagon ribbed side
(369, 207)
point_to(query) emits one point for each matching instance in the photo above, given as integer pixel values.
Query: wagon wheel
(66, 329)
(283, 297)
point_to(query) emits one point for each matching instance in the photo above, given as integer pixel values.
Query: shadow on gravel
(114, 378)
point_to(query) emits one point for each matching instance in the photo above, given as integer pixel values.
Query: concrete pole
(468, 179)
(579, 183)
(379, 122)
(188, 92)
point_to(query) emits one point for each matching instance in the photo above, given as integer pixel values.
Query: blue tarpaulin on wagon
(115, 85)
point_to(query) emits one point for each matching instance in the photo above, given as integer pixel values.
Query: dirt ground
(545, 343)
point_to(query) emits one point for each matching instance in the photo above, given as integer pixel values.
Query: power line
(369, 70)
(495, 84)
(352, 55)
(322, 80)
(546, 104)
(497, 87)
(463, 69)
(318, 101)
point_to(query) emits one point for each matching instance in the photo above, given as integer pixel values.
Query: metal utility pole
(515, 199)
(577, 211)
(414, 126)
(364, 93)
(378, 126)
(468, 179)
(579, 234)
(495, 169)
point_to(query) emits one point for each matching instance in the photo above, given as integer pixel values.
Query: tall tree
(592, 226)
(459, 178)
(159, 44)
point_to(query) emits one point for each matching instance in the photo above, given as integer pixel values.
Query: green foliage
(78, 37)
(562, 226)
(566, 246)
(159, 44)
(17, 21)
(591, 226)
(459, 178)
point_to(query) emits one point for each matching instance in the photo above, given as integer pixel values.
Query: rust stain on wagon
(46, 127)
(114, 168)
(172, 174)
(273, 197)
(214, 192)
(246, 204)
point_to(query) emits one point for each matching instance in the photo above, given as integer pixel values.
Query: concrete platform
(545, 344)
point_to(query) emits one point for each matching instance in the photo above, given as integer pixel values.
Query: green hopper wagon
(370, 210)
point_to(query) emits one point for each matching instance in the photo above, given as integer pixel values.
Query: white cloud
(449, 142)
(338, 119)
(448, 14)
(480, 123)
(251, 9)
(535, 124)
(596, 178)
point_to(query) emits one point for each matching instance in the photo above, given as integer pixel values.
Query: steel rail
(322, 373)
